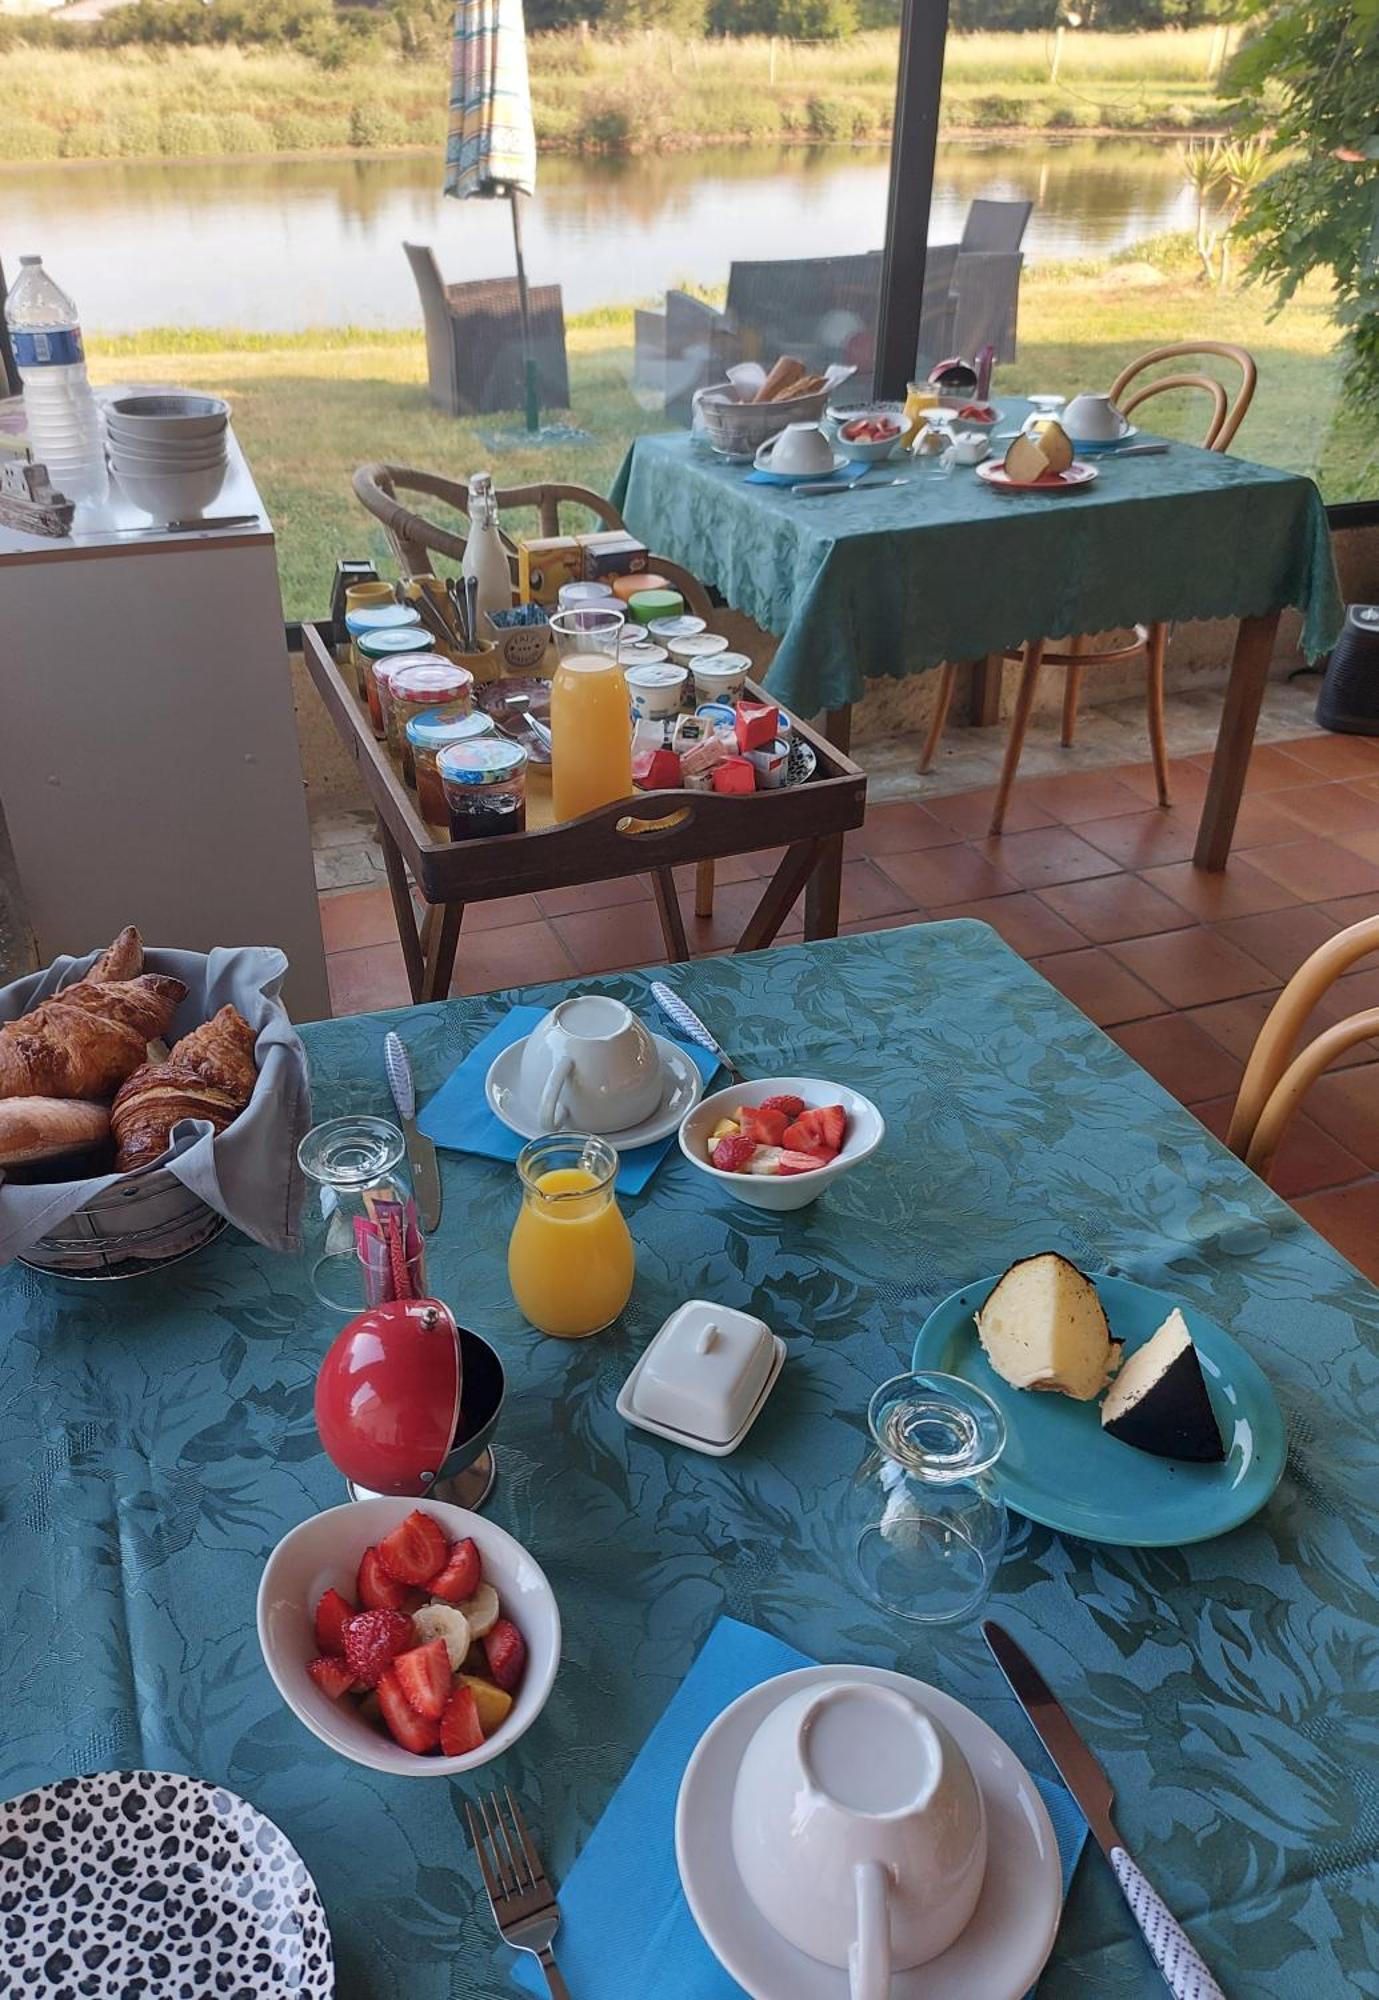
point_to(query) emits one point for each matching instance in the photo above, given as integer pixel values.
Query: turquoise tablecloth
(156, 1439)
(887, 580)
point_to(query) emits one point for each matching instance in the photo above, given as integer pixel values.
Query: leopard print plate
(143, 1885)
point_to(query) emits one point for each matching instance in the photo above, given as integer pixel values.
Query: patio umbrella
(491, 149)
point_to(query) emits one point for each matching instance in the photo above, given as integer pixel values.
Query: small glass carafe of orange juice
(570, 1257)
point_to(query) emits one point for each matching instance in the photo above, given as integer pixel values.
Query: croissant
(123, 959)
(209, 1075)
(85, 1041)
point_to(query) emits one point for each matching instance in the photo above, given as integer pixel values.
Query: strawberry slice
(373, 1641)
(412, 1731)
(415, 1551)
(791, 1106)
(507, 1655)
(731, 1154)
(333, 1614)
(798, 1163)
(820, 1131)
(461, 1576)
(461, 1730)
(331, 1675)
(423, 1674)
(766, 1127)
(377, 1590)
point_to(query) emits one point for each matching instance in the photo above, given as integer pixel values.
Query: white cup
(799, 449)
(656, 690)
(590, 1066)
(966, 448)
(859, 1831)
(1095, 418)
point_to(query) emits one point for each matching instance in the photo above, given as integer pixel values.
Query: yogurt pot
(642, 656)
(664, 630)
(718, 714)
(696, 646)
(572, 595)
(720, 677)
(656, 690)
(771, 764)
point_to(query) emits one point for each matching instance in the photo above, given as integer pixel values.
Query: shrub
(374, 125)
(1064, 118)
(1179, 117)
(137, 134)
(241, 132)
(829, 117)
(29, 139)
(187, 132)
(608, 126)
(985, 111)
(298, 132)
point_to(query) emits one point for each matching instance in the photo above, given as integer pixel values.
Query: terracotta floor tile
(1351, 909)
(1345, 1103)
(351, 918)
(1308, 1158)
(900, 827)
(1363, 841)
(1079, 795)
(1111, 907)
(593, 896)
(1237, 890)
(1331, 808)
(1235, 1023)
(942, 875)
(732, 868)
(1271, 767)
(1187, 782)
(1046, 855)
(733, 905)
(1192, 968)
(1349, 1219)
(1317, 870)
(1280, 939)
(869, 893)
(1024, 921)
(609, 940)
(1106, 992)
(1338, 756)
(515, 955)
(1264, 821)
(368, 978)
(1179, 1055)
(969, 813)
(1146, 839)
(500, 914)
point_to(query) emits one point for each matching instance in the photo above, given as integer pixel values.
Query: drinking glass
(930, 1528)
(570, 1257)
(355, 1166)
(587, 629)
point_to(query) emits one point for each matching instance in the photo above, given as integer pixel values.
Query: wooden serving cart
(651, 833)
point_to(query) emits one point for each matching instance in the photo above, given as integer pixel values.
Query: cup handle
(548, 1113)
(869, 1958)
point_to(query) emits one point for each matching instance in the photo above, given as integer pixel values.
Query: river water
(278, 245)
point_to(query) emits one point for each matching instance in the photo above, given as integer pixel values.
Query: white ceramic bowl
(172, 414)
(171, 496)
(324, 1553)
(862, 451)
(171, 451)
(866, 1128)
(149, 465)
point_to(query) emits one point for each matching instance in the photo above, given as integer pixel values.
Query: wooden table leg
(404, 911)
(823, 896)
(837, 727)
(703, 889)
(444, 936)
(793, 872)
(984, 697)
(1254, 648)
(668, 910)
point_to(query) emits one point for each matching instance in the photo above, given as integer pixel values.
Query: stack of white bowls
(168, 451)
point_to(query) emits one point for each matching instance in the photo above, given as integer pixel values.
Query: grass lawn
(309, 408)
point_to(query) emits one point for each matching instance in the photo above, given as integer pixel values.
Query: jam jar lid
(392, 639)
(433, 680)
(379, 618)
(433, 728)
(485, 760)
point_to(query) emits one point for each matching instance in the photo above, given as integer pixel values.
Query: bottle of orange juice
(570, 1257)
(591, 716)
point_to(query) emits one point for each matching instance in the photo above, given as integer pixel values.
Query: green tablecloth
(888, 580)
(156, 1439)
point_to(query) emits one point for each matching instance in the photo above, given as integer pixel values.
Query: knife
(683, 1017)
(1184, 1973)
(421, 1154)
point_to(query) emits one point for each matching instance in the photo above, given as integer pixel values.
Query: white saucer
(1000, 1954)
(684, 1088)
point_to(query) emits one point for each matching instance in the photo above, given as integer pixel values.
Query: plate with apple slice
(1075, 475)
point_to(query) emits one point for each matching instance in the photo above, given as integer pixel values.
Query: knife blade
(1183, 1971)
(421, 1154)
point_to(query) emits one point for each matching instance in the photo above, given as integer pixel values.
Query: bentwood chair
(1227, 414)
(1279, 1074)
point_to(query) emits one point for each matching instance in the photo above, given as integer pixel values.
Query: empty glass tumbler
(357, 1172)
(930, 1527)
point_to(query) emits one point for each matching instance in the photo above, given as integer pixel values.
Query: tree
(1309, 79)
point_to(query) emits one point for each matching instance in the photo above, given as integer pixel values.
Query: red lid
(388, 1395)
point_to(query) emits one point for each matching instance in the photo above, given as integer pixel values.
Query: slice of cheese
(1055, 444)
(1043, 1328)
(1159, 1401)
(1026, 461)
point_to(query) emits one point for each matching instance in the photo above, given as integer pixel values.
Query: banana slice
(481, 1611)
(445, 1621)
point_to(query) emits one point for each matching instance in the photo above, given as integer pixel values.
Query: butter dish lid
(704, 1374)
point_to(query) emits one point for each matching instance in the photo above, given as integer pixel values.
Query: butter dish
(702, 1381)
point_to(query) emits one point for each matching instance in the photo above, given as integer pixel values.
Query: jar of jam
(377, 649)
(411, 687)
(485, 786)
(379, 615)
(426, 735)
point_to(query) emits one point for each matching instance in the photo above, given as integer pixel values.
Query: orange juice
(570, 1257)
(591, 735)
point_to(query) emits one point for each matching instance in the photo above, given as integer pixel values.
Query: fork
(519, 1894)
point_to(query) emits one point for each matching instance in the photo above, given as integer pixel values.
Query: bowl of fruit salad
(409, 1635)
(869, 436)
(780, 1142)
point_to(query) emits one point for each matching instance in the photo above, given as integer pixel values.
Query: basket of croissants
(147, 1098)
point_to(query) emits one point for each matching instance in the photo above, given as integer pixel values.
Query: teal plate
(1060, 1468)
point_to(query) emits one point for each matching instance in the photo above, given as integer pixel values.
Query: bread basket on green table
(740, 429)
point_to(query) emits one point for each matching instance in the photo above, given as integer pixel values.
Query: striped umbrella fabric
(491, 148)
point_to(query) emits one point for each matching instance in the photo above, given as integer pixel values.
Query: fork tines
(509, 1863)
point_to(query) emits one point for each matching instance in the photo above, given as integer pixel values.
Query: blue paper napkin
(459, 1119)
(848, 475)
(625, 1927)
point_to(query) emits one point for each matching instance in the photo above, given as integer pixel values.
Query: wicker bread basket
(742, 428)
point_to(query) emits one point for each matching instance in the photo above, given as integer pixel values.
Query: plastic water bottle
(60, 411)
